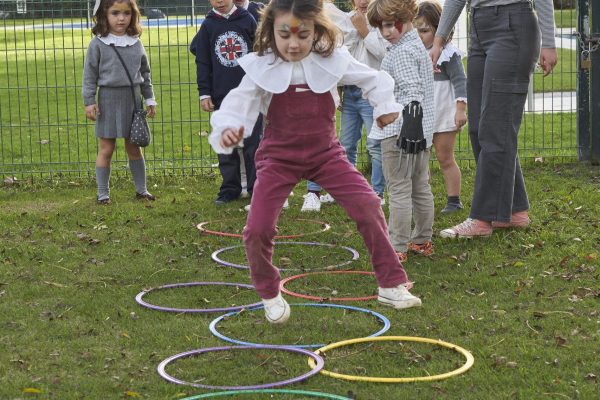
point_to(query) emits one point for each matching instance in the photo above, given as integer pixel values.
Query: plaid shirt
(409, 64)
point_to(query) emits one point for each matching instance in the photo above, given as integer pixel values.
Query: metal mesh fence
(44, 132)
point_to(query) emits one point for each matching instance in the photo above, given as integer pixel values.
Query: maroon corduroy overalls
(300, 143)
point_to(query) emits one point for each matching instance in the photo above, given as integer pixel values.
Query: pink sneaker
(517, 220)
(468, 229)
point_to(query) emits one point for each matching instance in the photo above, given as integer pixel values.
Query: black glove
(411, 138)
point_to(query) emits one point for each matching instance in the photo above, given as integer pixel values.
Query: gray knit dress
(104, 77)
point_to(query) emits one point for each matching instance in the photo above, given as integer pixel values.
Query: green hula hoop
(284, 391)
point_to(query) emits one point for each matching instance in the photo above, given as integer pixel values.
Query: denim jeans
(356, 112)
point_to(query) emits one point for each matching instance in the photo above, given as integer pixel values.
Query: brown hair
(402, 11)
(326, 33)
(101, 18)
(431, 11)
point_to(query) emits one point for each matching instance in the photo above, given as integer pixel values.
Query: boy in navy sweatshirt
(253, 7)
(226, 34)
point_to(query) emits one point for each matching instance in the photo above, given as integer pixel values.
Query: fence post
(583, 83)
(595, 92)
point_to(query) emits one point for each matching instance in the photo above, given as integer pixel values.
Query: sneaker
(327, 198)
(145, 196)
(381, 199)
(221, 199)
(104, 201)
(277, 310)
(286, 205)
(402, 256)
(452, 207)
(517, 220)
(398, 297)
(425, 249)
(311, 203)
(468, 229)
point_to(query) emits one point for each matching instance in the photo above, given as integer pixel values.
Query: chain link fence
(44, 132)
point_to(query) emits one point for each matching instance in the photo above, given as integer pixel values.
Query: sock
(102, 179)
(317, 192)
(453, 200)
(138, 172)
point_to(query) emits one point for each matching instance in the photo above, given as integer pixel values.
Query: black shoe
(452, 207)
(145, 196)
(220, 200)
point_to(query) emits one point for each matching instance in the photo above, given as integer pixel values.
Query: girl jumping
(291, 79)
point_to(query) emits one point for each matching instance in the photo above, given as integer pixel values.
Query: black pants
(229, 165)
(505, 44)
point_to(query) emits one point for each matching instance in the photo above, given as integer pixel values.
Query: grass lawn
(566, 18)
(524, 302)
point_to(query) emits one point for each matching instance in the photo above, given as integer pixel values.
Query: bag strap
(128, 76)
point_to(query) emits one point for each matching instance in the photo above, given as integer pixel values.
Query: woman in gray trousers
(504, 46)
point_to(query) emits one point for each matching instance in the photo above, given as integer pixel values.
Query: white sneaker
(286, 205)
(381, 198)
(311, 203)
(327, 198)
(277, 310)
(398, 297)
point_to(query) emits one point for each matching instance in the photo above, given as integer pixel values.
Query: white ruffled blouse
(266, 75)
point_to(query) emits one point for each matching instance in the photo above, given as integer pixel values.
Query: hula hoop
(283, 391)
(316, 298)
(201, 228)
(215, 255)
(213, 325)
(468, 364)
(318, 366)
(143, 303)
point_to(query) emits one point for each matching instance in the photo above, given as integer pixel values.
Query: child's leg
(103, 159)
(273, 185)
(422, 200)
(250, 146)
(399, 186)
(352, 191)
(443, 143)
(229, 166)
(137, 165)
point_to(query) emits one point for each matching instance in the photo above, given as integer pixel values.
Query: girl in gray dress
(107, 92)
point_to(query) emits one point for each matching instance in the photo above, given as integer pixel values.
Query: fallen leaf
(591, 377)
(31, 390)
(560, 341)
(132, 394)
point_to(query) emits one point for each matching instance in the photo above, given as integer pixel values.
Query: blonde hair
(101, 18)
(402, 11)
(326, 33)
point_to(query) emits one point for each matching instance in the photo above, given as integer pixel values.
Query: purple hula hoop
(215, 255)
(318, 359)
(141, 302)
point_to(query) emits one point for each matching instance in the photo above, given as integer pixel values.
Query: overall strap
(128, 76)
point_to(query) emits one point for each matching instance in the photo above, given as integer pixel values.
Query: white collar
(274, 75)
(233, 8)
(119, 41)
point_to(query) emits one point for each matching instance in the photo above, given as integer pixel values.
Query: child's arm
(236, 116)
(90, 81)
(146, 86)
(456, 73)
(200, 48)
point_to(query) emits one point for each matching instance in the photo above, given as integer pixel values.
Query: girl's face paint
(426, 31)
(293, 37)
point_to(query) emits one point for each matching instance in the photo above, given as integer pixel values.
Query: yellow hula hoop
(468, 364)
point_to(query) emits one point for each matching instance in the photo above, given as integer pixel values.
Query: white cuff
(150, 102)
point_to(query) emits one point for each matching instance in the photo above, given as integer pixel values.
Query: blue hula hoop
(213, 325)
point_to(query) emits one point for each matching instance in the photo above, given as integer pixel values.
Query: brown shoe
(425, 249)
(145, 196)
(517, 220)
(103, 202)
(402, 256)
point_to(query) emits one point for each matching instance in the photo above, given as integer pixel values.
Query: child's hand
(387, 119)
(231, 137)
(92, 111)
(207, 104)
(359, 20)
(460, 117)
(151, 110)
